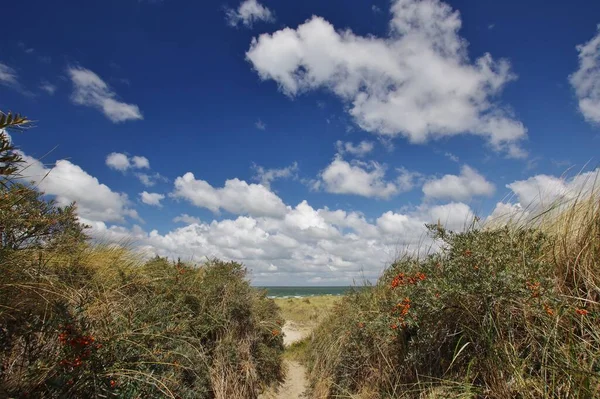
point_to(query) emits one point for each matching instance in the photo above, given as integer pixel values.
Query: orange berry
(581, 312)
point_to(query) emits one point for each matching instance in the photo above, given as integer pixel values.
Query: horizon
(309, 141)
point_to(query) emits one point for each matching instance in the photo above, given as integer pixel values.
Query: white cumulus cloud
(122, 162)
(586, 80)
(544, 194)
(303, 245)
(68, 182)
(236, 196)
(418, 83)
(139, 162)
(359, 178)
(151, 198)
(249, 12)
(91, 91)
(463, 187)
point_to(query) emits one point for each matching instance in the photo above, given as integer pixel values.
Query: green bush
(106, 326)
(485, 317)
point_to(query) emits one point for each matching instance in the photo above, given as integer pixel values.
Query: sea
(301, 292)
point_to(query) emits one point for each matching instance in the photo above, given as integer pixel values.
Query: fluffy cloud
(455, 216)
(187, 219)
(236, 196)
(140, 162)
(267, 176)
(586, 80)
(544, 194)
(118, 161)
(68, 182)
(541, 191)
(90, 90)
(359, 150)
(151, 198)
(463, 187)
(359, 178)
(418, 83)
(303, 245)
(123, 163)
(249, 12)
(366, 179)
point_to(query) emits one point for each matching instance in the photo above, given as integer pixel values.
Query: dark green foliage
(29, 221)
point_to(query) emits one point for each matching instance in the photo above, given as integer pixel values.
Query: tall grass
(504, 311)
(105, 324)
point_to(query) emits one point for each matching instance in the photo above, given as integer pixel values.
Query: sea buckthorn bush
(491, 315)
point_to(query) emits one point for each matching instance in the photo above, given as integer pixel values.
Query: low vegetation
(306, 311)
(83, 320)
(505, 312)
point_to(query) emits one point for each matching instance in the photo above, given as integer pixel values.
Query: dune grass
(306, 311)
(110, 325)
(85, 320)
(504, 311)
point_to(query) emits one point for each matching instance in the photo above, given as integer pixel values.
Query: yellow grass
(306, 311)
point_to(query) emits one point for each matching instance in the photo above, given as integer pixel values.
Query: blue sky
(310, 140)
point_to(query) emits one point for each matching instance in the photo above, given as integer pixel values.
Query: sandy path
(295, 383)
(293, 332)
(295, 378)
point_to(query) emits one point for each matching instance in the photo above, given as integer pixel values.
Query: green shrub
(108, 326)
(483, 318)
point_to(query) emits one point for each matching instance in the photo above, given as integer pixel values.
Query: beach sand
(295, 378)
(294, 332)
(301, 317)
